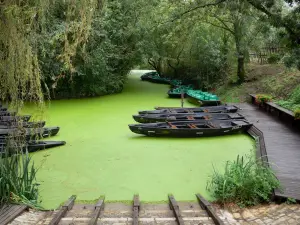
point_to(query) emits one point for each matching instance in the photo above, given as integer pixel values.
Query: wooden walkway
(282, 146)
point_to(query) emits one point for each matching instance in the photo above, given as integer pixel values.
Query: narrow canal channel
(103, 157)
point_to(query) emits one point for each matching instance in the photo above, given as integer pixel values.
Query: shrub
(262, 98)
(274, 58)
(18, 179)
(297, 114)
(244, 182)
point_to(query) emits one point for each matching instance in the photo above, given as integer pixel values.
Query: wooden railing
(282, 113)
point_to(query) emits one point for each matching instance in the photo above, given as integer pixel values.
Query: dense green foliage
(86, 48)
(293, 101)
(100, 65)
(18, 179)
(245, 182)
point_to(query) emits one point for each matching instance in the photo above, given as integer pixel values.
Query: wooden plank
(98, 207)
(136, 209)
(209, 209)
(9, 212)
(60, 214)
(175, 207)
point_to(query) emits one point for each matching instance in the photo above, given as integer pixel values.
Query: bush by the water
(246, 182)
(18, 179)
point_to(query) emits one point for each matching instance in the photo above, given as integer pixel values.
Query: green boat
(203, 98)
(175, 83)
(155, 78)
(176, 92)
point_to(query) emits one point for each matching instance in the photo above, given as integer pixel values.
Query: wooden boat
(25, 118)
(31, 146)
(191, 128)
(208, 109)
(201, 98)
(178, 91)
(13, 124)
(155, 78)
(155, 118)
(7, 113)
(31, 133)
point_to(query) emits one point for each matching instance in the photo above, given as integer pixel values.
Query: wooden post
(182, 98)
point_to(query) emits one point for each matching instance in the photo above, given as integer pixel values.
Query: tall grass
(18, 179)
(246, 182)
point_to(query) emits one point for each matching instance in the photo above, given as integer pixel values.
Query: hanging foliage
(20, 24)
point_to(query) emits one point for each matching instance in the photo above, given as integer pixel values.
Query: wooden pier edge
(98, 207)
(66, 207)
(209, 209)
(10, 212)
(136, 209)
(174, 206)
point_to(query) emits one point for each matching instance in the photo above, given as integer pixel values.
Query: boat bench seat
(225, 125)
(172, 125)
(193, 126)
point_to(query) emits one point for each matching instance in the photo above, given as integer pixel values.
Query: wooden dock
(282, 143)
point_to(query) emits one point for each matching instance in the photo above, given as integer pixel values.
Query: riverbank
(272, 79)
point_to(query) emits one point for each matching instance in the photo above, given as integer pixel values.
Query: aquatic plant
(246, 181)
(18, 179)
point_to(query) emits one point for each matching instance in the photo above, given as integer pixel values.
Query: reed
(246, 181)
(18, 178)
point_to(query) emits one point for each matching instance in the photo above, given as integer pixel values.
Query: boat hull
(155, 130)
(208, 109)
(31, 133)
(155, 118)
(199, 102)
(25, 118)
(32, 146)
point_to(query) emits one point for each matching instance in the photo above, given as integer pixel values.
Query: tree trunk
(240, 52)
(241, 68)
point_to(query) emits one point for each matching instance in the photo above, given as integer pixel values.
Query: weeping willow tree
(20, 22)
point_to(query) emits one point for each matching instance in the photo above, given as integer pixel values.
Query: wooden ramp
(282, 146)
(136, 213)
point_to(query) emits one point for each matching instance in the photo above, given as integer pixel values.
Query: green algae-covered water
(103, 157)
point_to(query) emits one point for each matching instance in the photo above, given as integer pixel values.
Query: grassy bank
(272, 79)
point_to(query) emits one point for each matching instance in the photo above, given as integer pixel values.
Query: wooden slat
(174, 206)
(209, 209)
(60, 214)
(98, 207)
(136, 209)
(9, 212)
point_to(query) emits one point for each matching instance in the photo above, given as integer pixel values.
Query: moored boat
(201, 98)
(154, 118)
(31, 146)
(154, 77)
(25, 118)
(178, 91)
(208, 109)
(7, 113)
(31, 133)
(191, 128)
(13, 124)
